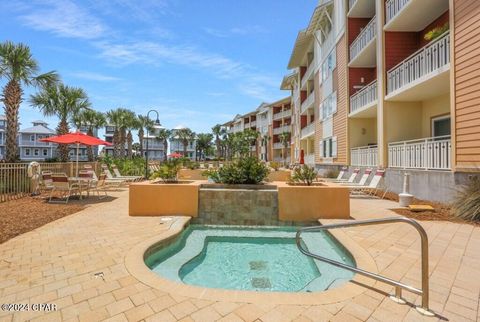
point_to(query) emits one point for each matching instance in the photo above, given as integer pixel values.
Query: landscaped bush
(331, 174)
(168, 171)
(248, 170)
(467, 202)
(127, 167)
(303, 174)
(275, 165)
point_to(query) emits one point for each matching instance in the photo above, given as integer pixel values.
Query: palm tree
(284, 138)
(204, 142)
(163, 135)
(218, 131)
(114, 118)
(63, 102)
(130, 122)
(19, 68)
(92, 120)
(185, 136)
(143, 123)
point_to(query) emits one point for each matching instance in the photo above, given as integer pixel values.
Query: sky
(197, 62)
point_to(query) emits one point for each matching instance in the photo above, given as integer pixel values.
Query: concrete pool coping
(135, 264)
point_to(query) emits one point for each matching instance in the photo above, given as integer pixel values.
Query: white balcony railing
(281, 129)
(282, 114)
(308, 73)
(428, 154)
(421, 63)
(253, 123)
(308, 130)
(35, 143)
(364, 38)
(364, 156)
(278, 145)
(363, 97)
(253, 148)
(309, 159)
(351, 3)
(392, 7)
(308, 102)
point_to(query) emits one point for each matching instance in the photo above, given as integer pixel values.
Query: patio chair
(100, 186)
(202, 166)
(89, 168)
(46, 182)
(363, 179)
(372, 187)
(352, 177)
(61, 184)
(129, 178)
(110, 179)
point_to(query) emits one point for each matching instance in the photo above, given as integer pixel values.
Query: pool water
(259, 259)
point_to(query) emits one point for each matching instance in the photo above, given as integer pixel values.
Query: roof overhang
(319, 19)
(288, 81)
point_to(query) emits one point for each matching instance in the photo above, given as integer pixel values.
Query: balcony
(361, 8)
(253, 148)
(281, 115)
(363, 48)
(309, 159)
(364, 156)
(253, 123)
(29, 143)
(278, 145)
(412, 15)
(424, 74)
(307, 131)
(308, 73)
(308, 103)
(426, 154)
(281, 129)
(363, 101)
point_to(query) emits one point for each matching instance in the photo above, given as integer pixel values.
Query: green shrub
(127, 167)
(303, 174)
(248, 170)
(467, 201)
(436, 32)
(275, 165)
(168, 171)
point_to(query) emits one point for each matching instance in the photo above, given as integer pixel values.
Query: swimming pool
(258, 259)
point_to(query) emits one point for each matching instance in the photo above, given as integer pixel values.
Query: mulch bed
(28, 213)
(442, 212)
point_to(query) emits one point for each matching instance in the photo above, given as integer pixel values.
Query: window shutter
(321, 148)
(334, 147)
(334, 103)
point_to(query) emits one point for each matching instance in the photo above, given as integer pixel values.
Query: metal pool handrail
(424, 291)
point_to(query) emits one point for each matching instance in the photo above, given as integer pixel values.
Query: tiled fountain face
(238, 207)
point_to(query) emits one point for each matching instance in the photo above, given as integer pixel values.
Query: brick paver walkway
(78, 264)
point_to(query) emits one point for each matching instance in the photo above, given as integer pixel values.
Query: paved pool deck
(60, 263)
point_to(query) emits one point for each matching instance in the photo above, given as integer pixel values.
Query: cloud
(94, 76)
(65, 19)
(235, 31)
(144, 10)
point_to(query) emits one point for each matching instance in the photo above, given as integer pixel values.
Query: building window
(27, 152)
(329, 106)
(32, 138)
(36, 152)
(328, 147)
(45, 152)
(329, 64)
(441, 126)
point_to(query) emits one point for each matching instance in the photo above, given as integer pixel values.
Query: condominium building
(392, 84)
(156, 148)
(29, 146)
(82, 150)
(281, 130)
(177, 147)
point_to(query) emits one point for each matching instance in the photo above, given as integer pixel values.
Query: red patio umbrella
(76, 138)
(175, 155)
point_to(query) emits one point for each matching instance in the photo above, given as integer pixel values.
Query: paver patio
(59, 263)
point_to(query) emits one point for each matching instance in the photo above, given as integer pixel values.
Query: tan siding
(340, 118)
(467, 85)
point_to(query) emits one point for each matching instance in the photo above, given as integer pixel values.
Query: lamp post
(156, 125)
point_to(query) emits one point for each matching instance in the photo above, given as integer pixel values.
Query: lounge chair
(100, 186)
(363, 179)
(61, 184)
(110, 179)
(372, 187)
(119, 175)
(351, 179)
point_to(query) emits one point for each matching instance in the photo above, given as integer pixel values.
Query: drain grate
(258, 265)
(261, 282)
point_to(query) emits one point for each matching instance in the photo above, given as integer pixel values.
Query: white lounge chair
(363, 179)
(372, 187)
(129, 178)
(111, 180)
(351, 179)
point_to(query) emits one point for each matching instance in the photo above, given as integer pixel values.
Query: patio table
(83, 182)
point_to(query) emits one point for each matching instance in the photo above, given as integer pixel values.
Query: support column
(381, 110)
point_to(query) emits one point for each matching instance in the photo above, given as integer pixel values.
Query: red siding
(355, 25)
(303, 121)
(398, 46)
(439, 22)
(355, 75)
